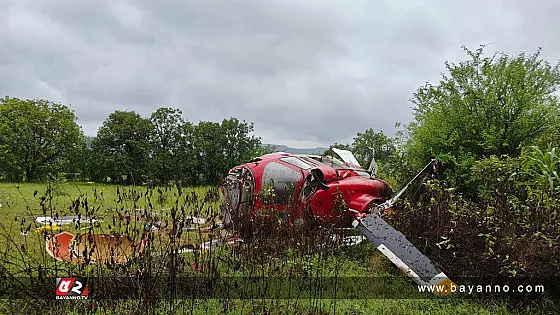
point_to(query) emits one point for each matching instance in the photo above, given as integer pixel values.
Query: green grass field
(22, 255)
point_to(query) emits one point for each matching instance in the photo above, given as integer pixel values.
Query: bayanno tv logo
(71, 289)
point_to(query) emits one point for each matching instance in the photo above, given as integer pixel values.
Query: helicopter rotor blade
(394, 245)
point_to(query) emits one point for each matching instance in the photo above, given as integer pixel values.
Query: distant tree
(166, 141)
(238, 145)
(366, 141)
(77, 166)
(37, 138)
(485, 106)
(219, 147)
(189, 165)
(208, 151)
(122, 148)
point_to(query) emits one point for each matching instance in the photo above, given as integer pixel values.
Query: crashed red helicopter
(311, 187)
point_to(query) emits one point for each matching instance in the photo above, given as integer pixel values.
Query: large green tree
(122, 148)
(208, 152)
(189, 161)
(484, 106)
(37, 138)
(238, 146)
(166, 142)
(219, 147)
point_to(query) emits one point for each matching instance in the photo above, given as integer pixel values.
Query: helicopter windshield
(347, 157)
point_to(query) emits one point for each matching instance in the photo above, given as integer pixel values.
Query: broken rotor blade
(389, 203)
(394, 245)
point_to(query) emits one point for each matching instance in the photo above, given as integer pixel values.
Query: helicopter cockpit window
(282, 181)
(339, 165)
(296, 162)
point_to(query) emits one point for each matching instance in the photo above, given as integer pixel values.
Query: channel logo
(71, 289)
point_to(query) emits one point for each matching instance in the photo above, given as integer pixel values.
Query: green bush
(543, 166)
(511, 229)
(485, 105)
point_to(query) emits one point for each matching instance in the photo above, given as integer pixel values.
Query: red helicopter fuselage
(299, 185)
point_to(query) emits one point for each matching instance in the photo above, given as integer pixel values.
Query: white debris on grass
(196, 220)
(353, 240)
(210, 244)
(64, 220)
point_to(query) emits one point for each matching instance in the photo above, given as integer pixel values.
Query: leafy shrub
(511, 230)
(543, 166)
(485, 105)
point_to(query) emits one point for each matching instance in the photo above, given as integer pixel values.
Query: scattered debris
(65, 220)
(352, 240)
(233, 241)
(196, 220)
(187, 224)
(51, 228)
(57, 247)
(93, 248)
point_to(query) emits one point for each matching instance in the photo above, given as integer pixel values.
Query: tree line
(41, 140)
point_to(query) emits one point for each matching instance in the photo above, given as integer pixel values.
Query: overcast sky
(306, 72)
